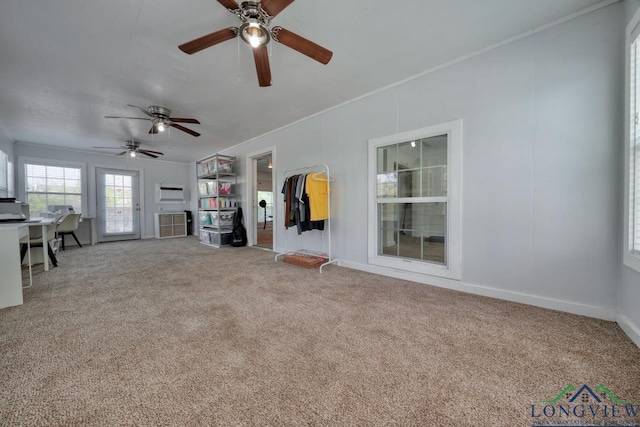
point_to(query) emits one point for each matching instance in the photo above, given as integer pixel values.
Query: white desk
(44, 223)
(10, 265)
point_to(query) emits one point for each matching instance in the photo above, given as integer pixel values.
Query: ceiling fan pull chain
(238, 44)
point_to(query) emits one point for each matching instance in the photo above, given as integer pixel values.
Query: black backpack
(239, 233)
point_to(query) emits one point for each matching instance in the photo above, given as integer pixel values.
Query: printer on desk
(13, 210)
(57, 210)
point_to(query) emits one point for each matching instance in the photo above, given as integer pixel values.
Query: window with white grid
(52, 185)
(634, 152)
(632, 149)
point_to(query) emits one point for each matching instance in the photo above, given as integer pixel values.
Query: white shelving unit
(217, 203)
(170, 224)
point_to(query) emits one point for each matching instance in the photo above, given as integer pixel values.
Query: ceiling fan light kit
(256, 17)
(254, 33)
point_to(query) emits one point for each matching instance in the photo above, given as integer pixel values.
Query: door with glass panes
(118, 213)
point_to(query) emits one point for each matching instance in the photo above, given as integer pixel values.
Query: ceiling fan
(160, 118)
(254, 30)
(132, 148)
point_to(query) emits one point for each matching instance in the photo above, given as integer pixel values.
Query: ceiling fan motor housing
(160, 112)
(132, 145)
(253, 10)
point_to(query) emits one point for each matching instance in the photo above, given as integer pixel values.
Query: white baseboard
(603, 313)
(629, 328)
(153, 236)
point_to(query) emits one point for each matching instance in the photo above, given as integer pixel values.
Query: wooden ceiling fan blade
(274, 7)
(229, 4)
(184, 129)
(180, 120)
(122, 154)
(261, 56)
(209, 40)
(111, 148)
(150, 151)
(302, 45)
(144, 110)
(147, 153)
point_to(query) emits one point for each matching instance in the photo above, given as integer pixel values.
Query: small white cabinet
(170, 224)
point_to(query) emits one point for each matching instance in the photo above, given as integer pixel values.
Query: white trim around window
(452, 265)
(630, 257)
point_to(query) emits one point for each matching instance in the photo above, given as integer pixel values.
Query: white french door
(118, 212)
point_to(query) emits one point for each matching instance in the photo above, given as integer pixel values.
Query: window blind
(4, 174)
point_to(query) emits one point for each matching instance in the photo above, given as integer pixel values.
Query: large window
(48, 184)
(4, 174)
(632, 151)
(414, 210)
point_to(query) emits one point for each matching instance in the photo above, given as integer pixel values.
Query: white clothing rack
(324, 169)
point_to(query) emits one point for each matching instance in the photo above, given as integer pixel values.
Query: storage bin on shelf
(213, 187)
(214, 238)
(215, 203)
(205, 218)
(222, 219)
(216, 165)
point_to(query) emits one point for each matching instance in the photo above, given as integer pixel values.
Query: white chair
(68, 226)
(35, 240)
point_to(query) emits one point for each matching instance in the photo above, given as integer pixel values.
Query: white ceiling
(65, 64)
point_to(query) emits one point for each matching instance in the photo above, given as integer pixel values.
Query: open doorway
(263, 201)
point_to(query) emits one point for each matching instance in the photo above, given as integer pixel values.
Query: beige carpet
(173, 333)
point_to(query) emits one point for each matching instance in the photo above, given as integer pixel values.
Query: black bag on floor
(239, 233)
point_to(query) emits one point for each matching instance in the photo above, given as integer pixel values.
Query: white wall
(629, 308)
(7, 145)
(540, 163)
(153, 171)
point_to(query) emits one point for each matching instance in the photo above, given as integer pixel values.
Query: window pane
(55, 172)
(387, 159)
(37, 203)
(388, 214)
(409, 183)
(73, 186)
(434, 181)
(55, 185)
(413, 231)
(434, 232)
(36, 184)
(387, 185)
(37, 171)
(55, 199)
(434, 166)
(75, 201)
(72, 173)
(408, 155)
